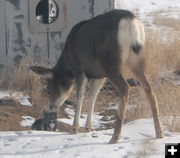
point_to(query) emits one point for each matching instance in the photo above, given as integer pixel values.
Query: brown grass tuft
(23, 79)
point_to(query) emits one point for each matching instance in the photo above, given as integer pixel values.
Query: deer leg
(96, 85)
(81, 83)
(153, 102)
(123, 89)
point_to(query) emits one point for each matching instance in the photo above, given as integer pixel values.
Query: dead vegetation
(163, 18)
(149, 148)
(168, 22)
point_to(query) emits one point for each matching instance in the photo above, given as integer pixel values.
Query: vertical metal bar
(48, 1)
(93, 8)
(29, 15)
(110, 4)
(48, 44)
(6, 34)
(112, 1)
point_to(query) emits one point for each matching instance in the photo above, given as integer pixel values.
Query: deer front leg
(81, 83)
(96, 85)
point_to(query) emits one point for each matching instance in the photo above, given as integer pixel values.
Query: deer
(99, 49)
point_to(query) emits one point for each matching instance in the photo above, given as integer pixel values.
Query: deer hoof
(114, 140)
(74, 131)
(87, 129)
(159, 135)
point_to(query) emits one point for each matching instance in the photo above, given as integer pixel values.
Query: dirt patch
(10, 116)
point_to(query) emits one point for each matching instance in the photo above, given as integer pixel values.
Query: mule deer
(96, 49)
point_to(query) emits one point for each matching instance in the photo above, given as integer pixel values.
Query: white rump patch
(130, 32)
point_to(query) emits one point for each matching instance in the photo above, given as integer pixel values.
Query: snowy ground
(138, 140)
(145, 8)
(16, 96)
(98, 121)
(148, 10)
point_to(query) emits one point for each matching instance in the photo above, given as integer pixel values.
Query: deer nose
(52, 107)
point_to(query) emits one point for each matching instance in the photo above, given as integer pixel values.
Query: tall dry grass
(21, 78)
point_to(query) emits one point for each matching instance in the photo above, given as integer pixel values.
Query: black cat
(47, 123)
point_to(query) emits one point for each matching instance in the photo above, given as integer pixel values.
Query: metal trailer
(39, 28)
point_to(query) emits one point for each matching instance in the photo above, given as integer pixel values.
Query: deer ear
(41, 70)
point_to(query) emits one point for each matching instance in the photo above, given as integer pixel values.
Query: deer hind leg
(81, 83)
(123, 89)
(96, 85)
(153, 102)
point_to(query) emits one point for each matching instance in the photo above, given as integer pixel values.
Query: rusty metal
(65, 13)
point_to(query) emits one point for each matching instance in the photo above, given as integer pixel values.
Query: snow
(143, 8)
(171, 77)
(27, 121)
(138, 137)
(147, 10)
(97, 120)
(4, 94)
(23, 100)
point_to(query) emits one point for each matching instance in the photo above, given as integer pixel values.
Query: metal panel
(2, 34)
(20, 41)
(58, 25)
(26, 36)
(77, 10)
(101, 7)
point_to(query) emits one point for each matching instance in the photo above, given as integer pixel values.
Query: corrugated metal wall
(21, 34)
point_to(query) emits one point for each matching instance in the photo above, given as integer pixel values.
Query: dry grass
(168, 22)
(162, 18)
(148, 149)
(23, 79)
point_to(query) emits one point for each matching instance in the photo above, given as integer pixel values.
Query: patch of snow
(23, 100)
(146, 7)
(130, 107)
(27, 121)
(97, 120)
(4, 94)
(169, 120)
(137, 137)
(171, 77)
